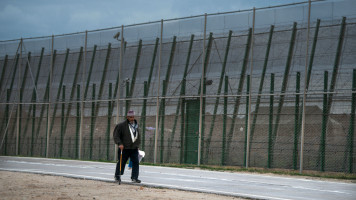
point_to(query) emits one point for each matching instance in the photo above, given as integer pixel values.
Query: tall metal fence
(215, 89)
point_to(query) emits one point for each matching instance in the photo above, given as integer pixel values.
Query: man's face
(131, 119)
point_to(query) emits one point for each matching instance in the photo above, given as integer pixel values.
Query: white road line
(57, 173)
(57, 165)
(176, 179)
(54, 159)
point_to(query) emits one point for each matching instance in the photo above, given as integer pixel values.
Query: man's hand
(121, 147)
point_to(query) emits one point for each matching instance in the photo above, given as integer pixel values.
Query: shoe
(136, 180)
(117, 179)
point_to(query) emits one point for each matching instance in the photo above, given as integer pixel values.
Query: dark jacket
(122, 136)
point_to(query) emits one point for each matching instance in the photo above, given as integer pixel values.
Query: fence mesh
(247, 110)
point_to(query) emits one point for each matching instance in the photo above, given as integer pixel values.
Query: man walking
(126, 135)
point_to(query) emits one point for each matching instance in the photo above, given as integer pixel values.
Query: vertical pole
(82, 102)
(41, 146)
(270, 127)
(352, 124)
(92, 125)
(69, 147)
(250, 82)
(119, 86)
(28, 146)
(246, 119)
(224, 120)
(306, 81)
(182, 122)
(99, 153)
(203, 123)
(34, 97)
(108, 130)
(162, 114)
(324, 122)
(55, 147)
(18, 105)
(78, 124)
(127, 97)
(296, 122)
(49, 101)
(201, 93)
(84, 143)
(158, 87)
(62, 122)
(143, 116)
(8, 94)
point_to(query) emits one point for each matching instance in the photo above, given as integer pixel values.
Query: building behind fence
(216, 89)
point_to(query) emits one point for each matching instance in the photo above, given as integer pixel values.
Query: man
(127, 136)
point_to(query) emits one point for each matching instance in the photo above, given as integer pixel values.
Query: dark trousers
(126, 154)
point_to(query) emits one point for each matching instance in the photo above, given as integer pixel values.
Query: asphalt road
(254, 186)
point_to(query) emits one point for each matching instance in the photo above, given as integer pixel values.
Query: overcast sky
(33, 18)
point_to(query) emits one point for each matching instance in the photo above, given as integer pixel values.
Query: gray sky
(33, 18)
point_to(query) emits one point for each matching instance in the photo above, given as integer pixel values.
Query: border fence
(270, 87)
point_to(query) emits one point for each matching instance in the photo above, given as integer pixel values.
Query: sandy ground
(16, 185)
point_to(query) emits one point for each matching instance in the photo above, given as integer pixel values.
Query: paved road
(235, 184)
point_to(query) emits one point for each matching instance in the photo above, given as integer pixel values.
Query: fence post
(62, 122)
(162, 115)
(247, 120)
(108, 129)
(92, 124)
(324, 122)
(49, 100)
(157, 101)
(143, 116)
(296, 122)
(33, 120)
(224, 120)
(352, 123)
(78, 124)
(270, 127)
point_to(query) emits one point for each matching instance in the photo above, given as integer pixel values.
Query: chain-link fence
(217, 89)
